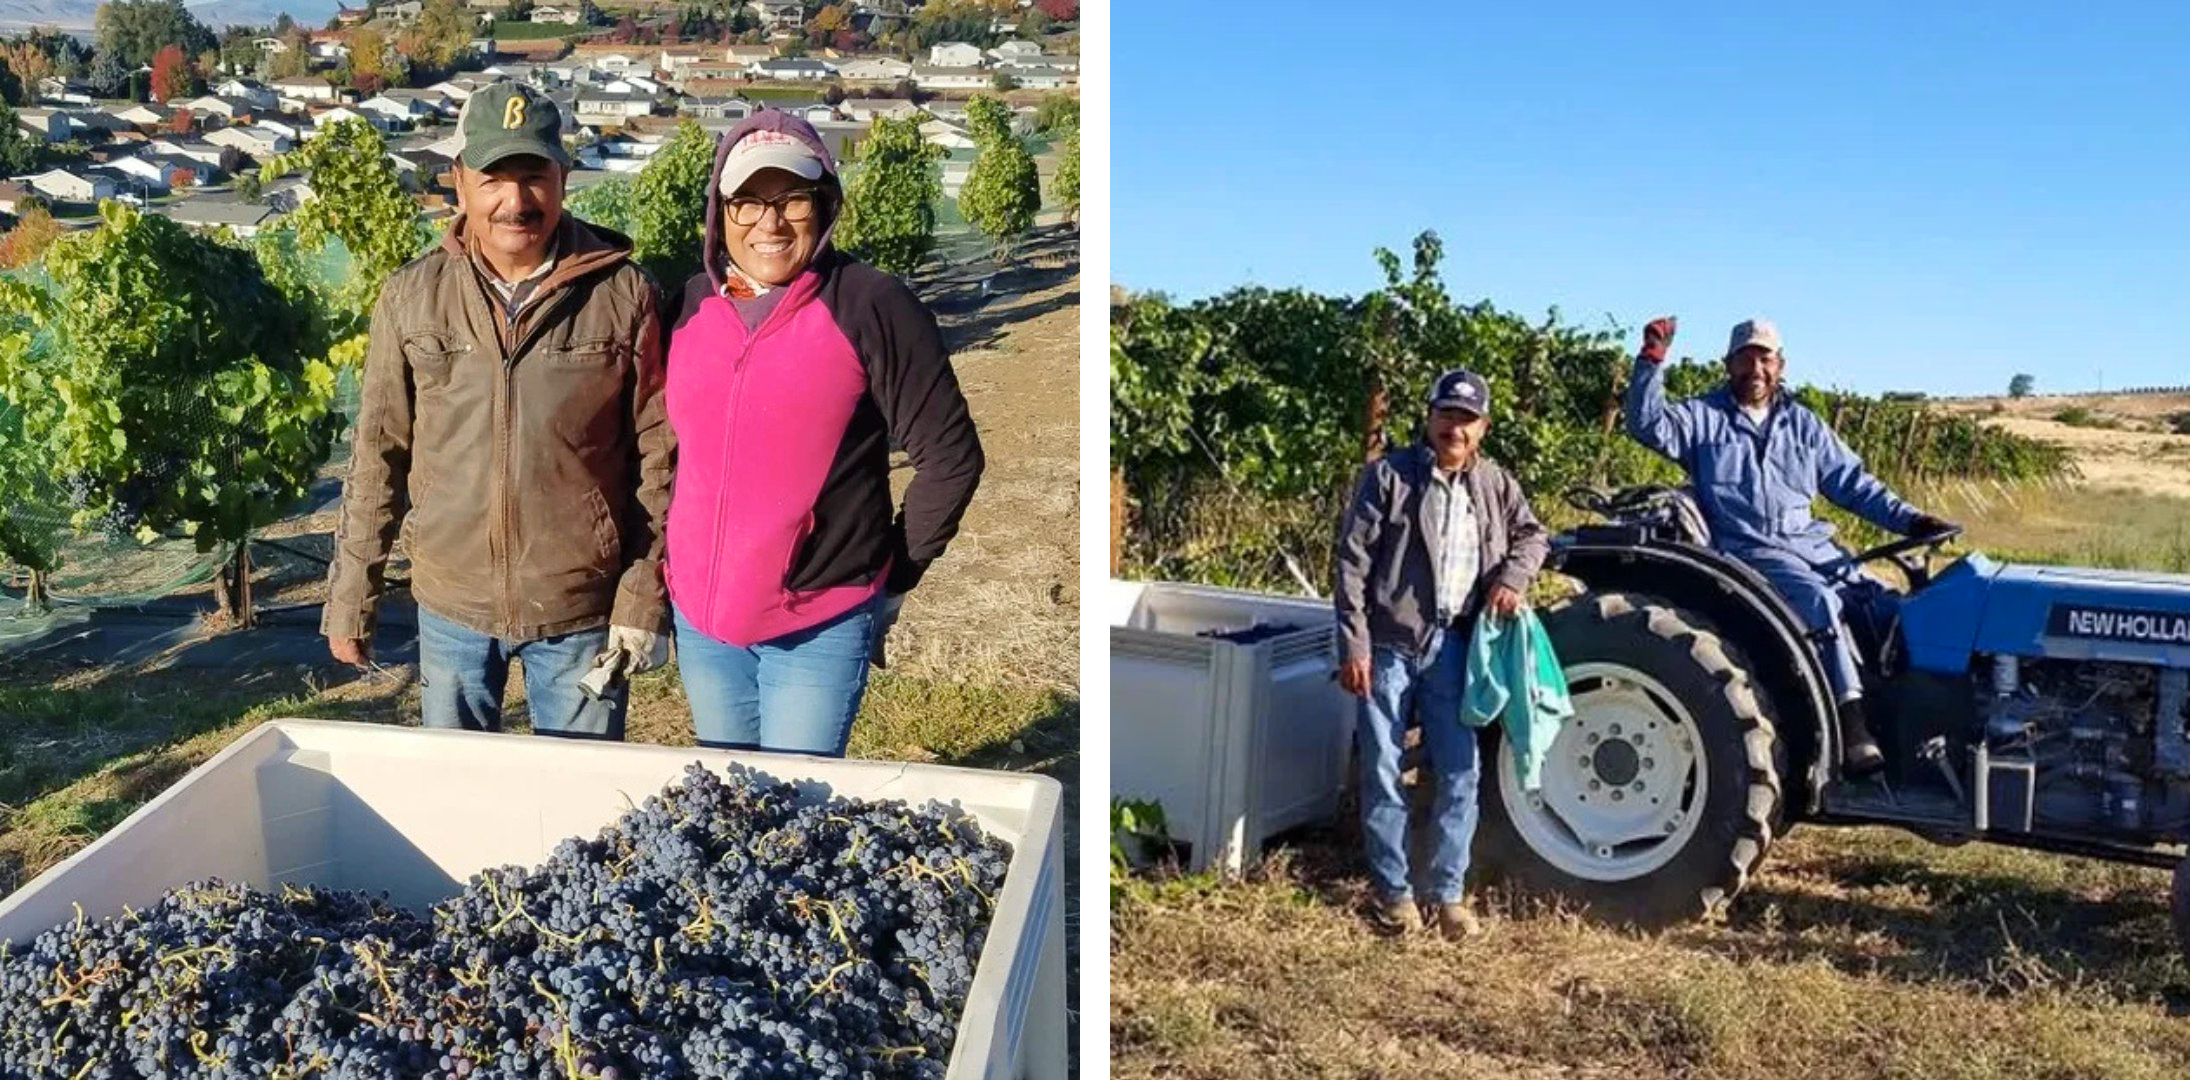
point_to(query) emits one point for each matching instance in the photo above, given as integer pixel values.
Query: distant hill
(77, 14)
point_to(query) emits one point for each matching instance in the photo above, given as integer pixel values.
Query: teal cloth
(1513, 674)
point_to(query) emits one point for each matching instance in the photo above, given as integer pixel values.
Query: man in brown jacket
(512, 428)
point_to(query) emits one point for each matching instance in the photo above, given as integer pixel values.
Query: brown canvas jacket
(526, 467)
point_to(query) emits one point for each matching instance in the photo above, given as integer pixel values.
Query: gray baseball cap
(508, 119)
(1464, 390)
(1758, 332)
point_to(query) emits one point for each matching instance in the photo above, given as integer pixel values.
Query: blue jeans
(1398, 683)
(461, 674)
(796, 693)
(1830, 594)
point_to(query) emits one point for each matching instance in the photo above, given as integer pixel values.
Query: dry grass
(1860, 953)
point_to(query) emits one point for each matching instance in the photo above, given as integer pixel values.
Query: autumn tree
(34, 232)
(170, 74)
(1063, 11)
(28, 65)
(136, 30)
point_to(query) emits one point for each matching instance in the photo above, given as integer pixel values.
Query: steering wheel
(1898, 551)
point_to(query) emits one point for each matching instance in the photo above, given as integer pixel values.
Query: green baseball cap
(507, 119)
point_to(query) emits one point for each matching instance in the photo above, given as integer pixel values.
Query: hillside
(2121, 441)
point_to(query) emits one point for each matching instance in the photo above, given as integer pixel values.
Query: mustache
(522, 217)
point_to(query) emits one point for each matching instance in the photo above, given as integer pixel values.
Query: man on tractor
(1758, 459)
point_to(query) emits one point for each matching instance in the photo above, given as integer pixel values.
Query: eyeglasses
(795, 205)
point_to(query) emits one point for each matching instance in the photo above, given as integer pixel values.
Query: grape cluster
(725, 927)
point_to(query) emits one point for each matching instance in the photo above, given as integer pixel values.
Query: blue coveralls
(1757, 485)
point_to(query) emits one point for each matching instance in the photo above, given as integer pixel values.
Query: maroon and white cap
(1758, 332)
(764, 149)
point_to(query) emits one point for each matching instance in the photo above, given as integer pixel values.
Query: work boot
(1397, 917)
(1457, 922)
(1859, 753)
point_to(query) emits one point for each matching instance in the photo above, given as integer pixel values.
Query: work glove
(1658, 337)
(1927, 525)
(647, 650)
(629, 651)
(885, 617)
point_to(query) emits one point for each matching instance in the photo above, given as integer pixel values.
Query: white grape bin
(1224, 709)
(415, 813)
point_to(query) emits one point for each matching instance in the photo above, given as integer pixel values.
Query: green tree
(606, 202)
(1059, 112)
(1065, 186)
(1002, 190)
(359, 202)
(18, 154)
(669, 206)
(891, 190)
(1003, 82)
(136, 29)
(170, 384)
(12, 90)
(987, 119)
(2021, 385)
(109, 76)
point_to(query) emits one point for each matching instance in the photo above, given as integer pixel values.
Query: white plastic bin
(1237, 741)
(416, 812)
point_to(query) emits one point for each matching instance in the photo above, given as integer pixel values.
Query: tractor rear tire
(1636, 656)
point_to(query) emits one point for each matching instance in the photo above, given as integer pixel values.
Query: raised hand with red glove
(1658, 337)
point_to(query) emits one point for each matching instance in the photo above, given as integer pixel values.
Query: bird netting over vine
(162, 396)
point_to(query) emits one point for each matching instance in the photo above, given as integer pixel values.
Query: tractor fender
(1744, 609)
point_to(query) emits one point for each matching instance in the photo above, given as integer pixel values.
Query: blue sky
(1930, 201)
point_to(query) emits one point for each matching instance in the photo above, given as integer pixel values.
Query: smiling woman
(792, 369)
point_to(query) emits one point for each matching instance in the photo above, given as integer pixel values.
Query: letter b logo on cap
(513, 112)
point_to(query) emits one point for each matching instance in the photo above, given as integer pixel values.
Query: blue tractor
(2035, 706)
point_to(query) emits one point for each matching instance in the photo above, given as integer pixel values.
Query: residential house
(1040, 77)
(45, 125)
(221, 211)
(12, 193)
(346, 16)
(792, 69)
(330, 52)
(282, 126)
(865, 110)
(947, 135)
(634, 83)
(951, 78)
(548, 13)
(403, 10)
(615, 62)
(81, 186)
(709, 71)
(952, 111)
(195, 149)
(816, 113)
(327, 117)
(1015, 50)
(435, 102)
(461, 88)
(64, 91)
(623, 152)
(715, 108)
(139, 116)
(778, 14)
(402, 111)
(747, 55)
(271, 46)
(150, 174)
(250, 140)
(306, 88)
(675, 60)
(258, 94)
(227, 108)
(597, 106)
(873, 69)
(954, 54)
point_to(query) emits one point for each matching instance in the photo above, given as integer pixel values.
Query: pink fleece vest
(758, 416)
